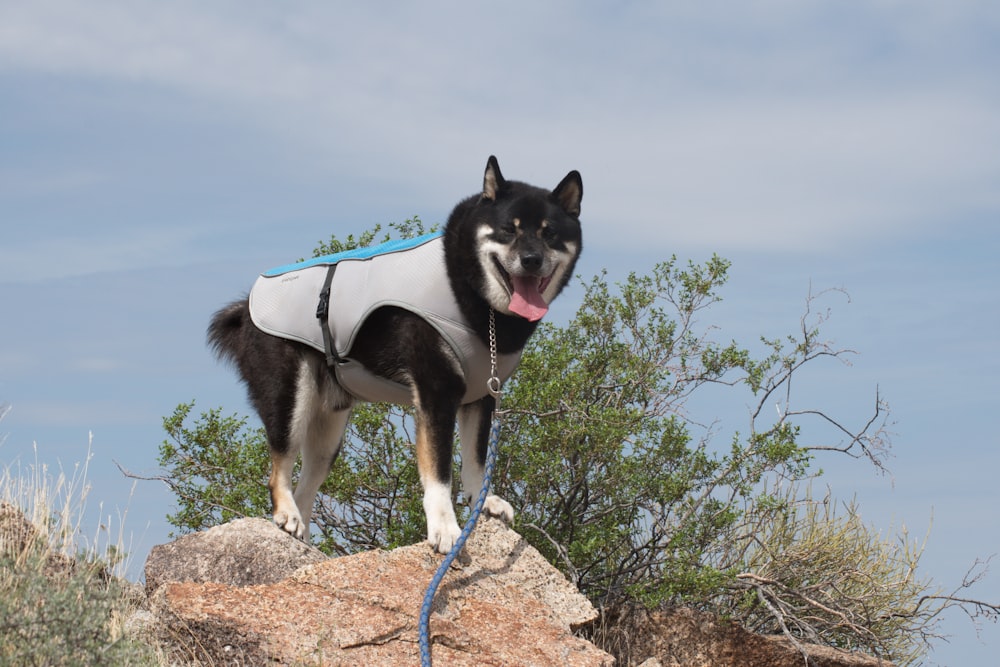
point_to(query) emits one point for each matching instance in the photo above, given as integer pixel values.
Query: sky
(155, 157)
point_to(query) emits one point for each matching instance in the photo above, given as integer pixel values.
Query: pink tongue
(527, 301)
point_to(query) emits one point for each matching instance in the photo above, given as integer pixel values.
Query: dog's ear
(492, 180)
(569, 192)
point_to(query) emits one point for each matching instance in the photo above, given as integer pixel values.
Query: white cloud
(99, 365)
(792, 174)
(50, 257)
(12, 363)
(771, 123)
(108, 412)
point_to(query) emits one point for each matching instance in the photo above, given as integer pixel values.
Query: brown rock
(16, 532)
(508, 606)
(238, 553)
(683, 637)
(21, 541)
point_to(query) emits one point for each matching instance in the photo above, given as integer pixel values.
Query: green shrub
(59, 605)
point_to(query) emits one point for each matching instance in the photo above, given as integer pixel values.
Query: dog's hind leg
(474, 432)
(286, 514)
(319, 451)
(316, 429)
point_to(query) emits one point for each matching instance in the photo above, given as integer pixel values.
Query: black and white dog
(407, 323)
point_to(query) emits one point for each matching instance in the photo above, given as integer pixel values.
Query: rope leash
(425, 609)
(491, 456)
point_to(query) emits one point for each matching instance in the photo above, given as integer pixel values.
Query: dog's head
(528, 241)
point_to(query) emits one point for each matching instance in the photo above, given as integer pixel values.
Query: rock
(238, 553)
(684, 637)
(16, 532)
(21, 541)
(507, 606)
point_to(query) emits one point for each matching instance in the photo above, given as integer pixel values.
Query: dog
(420, 335)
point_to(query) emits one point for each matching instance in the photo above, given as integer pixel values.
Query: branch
(813, 627)
(873, 446)
(973, 608)
(179, 490)
(780, 618)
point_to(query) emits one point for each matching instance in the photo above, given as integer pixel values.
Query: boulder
(238, 553)
(16, 532)
(505, 606)
(20, 540)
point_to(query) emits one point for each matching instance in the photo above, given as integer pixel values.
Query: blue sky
(154, 157)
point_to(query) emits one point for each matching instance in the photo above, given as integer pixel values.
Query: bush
(58, 606)
(55, 613)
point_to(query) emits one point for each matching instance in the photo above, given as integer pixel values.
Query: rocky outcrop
(505, 606)
(246, 593)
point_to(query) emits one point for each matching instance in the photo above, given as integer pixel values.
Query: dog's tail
(227, 329)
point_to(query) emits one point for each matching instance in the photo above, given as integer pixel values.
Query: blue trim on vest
(397, 245)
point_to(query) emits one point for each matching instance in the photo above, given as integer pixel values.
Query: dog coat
(410, 274)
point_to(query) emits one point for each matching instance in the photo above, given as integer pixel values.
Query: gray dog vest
(408, 274)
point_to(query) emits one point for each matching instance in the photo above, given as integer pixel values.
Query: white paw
(442, 527)
(443, 538)
(498, 507)
(291, 522)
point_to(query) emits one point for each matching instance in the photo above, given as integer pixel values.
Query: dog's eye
(549, 235)
(507, 231)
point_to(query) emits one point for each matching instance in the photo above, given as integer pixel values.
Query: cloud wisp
(769, 125)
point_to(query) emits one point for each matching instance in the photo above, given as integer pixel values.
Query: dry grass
(63, 597)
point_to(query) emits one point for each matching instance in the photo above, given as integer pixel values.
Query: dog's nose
(531, 261)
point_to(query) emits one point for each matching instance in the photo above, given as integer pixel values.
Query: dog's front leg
(435, 439)
(474, 432)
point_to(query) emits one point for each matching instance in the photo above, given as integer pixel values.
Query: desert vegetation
(63, 598)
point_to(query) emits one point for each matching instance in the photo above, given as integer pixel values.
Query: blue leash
(425, 609)
(491, 458)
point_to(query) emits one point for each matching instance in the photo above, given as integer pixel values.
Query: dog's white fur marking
(496, 292)
(472, 471)
(318, 454)
(442, 526)
(286, 514)
(552, 289)
(498, 507)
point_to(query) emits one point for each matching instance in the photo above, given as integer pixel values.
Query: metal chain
(493, 384)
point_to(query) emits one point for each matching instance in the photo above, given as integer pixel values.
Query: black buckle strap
(323, 315)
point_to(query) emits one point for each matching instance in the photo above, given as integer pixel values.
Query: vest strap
(323, 315)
